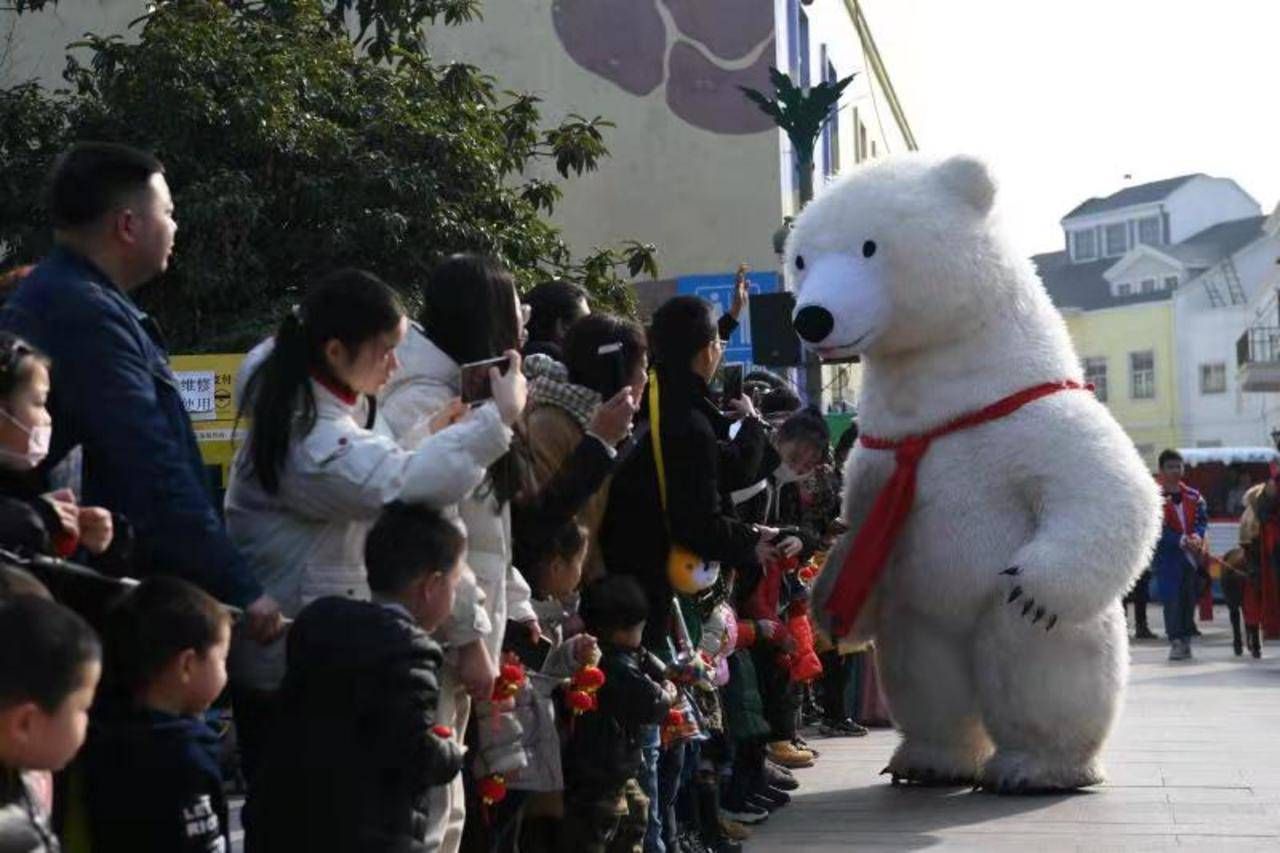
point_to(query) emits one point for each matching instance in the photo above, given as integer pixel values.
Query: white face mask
(38, 438)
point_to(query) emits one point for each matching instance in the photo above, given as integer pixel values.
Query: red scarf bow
(866, 559)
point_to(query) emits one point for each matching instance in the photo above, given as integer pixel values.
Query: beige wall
(708, 200)
(33, 45)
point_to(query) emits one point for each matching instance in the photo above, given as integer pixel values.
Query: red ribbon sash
(875, 538)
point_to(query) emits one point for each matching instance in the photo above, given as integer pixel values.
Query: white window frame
(1107, 230)
(1213, 378)
(1159, 226)
(1142, 381)
(1095, 373)
(1076, 237)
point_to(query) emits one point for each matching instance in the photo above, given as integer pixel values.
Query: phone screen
(475, 379)
(726, 385)
(613, 354)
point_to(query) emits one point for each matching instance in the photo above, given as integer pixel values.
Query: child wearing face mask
(32, 518)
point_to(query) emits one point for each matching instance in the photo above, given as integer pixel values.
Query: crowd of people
(568, 614)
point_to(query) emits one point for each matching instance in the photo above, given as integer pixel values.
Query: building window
(1117, 239)
(1095, 373)
(1171, 282)
(1213, 378)
(831, 130)
(803, 39)
(1084, 244)
(1213, 442)
(1142, 375)
(1149, 231)
(1124, 289)
(1148, 285)
(859, 135)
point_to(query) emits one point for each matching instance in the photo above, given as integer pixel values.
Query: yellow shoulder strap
(655, 435)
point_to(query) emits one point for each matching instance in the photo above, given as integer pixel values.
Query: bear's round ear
(968, 178)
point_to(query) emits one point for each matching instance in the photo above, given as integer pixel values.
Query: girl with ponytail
(319, 464)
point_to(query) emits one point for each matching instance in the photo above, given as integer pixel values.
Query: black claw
(1017, 591)
(1012, 571)
(1026, 608)
(885, 772)
(1039, 615)
(1053, 620)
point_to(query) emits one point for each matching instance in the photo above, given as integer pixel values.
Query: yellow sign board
(207, 383)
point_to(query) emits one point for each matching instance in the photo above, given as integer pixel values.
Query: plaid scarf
(549, 385)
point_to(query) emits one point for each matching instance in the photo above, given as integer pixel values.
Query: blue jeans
(670, 774)
(1178, 595)
(648, 780)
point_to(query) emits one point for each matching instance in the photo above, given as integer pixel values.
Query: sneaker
(733, 830)
(771, 797)
(1180, 650)
(775, 768)
(841, 728)
(762, 803)
(779, 778)
(689, 842)
(744, 813)
(1144, 633)
(788, 755)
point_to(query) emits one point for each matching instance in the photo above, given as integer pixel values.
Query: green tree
(296, 144)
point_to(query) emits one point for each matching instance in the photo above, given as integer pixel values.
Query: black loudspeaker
(773, 339)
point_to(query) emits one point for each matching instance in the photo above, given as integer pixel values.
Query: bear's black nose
(813, 323)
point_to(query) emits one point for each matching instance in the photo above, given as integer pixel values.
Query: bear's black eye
(799, 262)
(868, 248)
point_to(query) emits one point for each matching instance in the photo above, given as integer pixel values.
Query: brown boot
(786, 753)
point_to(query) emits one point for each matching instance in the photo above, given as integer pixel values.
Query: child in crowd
(535, 802)
(351, 764)
(603, 754)
(50, 662)
(153, 780)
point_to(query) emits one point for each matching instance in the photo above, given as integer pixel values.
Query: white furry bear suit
(997, 616)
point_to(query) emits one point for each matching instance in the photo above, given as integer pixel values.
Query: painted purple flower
(702, 63)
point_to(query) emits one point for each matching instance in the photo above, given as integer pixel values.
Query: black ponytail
(350, 306)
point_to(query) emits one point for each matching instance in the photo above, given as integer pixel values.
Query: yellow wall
(1114, 333)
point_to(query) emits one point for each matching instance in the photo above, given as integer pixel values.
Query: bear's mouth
(841, 350)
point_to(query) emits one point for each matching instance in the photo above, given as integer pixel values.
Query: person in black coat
(635, 536)
(356, 749)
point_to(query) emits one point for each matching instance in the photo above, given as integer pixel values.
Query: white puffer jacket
(307, 540)
(425, 383)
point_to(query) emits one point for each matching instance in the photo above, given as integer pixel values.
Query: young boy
(603, 753)
(153, 783)
(357, 748)
(50, 661)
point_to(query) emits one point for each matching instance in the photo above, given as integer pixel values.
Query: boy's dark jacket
(604, 747)
(153, 783)
(351, 762)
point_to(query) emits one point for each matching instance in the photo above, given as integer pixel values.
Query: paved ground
(1194, 764)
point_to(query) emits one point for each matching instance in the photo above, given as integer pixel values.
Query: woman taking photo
(315, 470)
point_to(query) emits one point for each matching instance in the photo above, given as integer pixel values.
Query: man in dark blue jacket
(112, 390)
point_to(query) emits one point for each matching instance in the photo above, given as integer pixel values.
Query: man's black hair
(92, 178)
(1169, 455)
(409, 540)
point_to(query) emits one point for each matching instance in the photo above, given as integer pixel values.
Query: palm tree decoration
(802, 115)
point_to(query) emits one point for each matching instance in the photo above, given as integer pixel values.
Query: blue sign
(718, 290)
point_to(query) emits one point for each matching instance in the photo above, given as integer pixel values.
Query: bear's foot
(1014, 772)
(930, 765)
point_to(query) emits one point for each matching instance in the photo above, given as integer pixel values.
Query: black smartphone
(726, 385)
(475, 379)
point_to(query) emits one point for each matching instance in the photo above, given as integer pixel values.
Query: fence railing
(1258, 345)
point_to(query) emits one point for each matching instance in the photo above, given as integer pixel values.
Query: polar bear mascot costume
(997, 511)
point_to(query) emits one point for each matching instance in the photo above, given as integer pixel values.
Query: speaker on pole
(774, 342)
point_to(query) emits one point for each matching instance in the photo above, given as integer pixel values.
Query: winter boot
(1237, 644)
(785, 753)
(1255, 641)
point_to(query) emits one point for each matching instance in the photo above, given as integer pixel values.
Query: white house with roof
(1157, 282)
(1227, 267)
(1257, 350)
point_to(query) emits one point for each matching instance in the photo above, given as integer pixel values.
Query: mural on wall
(700, 50)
